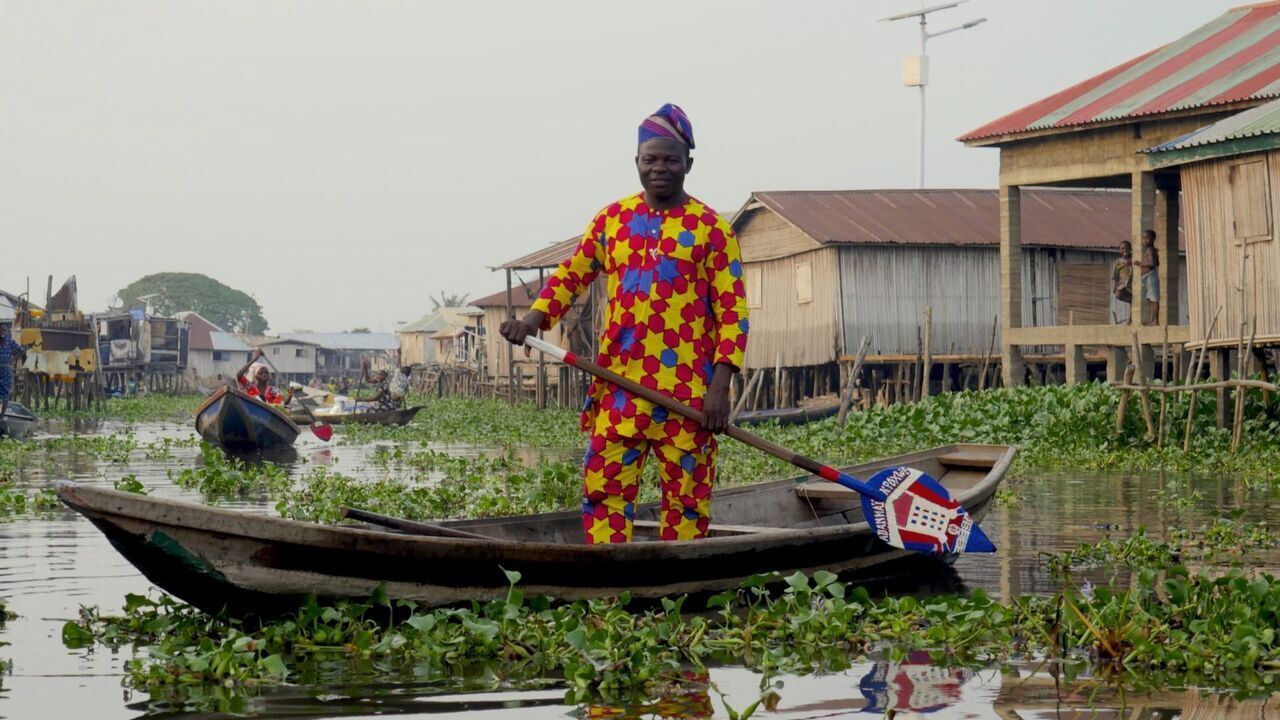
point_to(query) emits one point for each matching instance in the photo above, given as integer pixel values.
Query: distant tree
(361, 331)
(448, 300)
(172, 292)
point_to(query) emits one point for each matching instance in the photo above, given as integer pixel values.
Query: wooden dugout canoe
(216, 558)
(403, 416)
(229, 417)
(17, 421)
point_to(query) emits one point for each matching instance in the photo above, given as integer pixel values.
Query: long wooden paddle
(907, 508)
(322, 430)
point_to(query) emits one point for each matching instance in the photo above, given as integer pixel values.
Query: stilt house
(1094, 134)
(825, 268)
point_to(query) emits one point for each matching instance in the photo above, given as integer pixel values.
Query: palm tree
(448, 300)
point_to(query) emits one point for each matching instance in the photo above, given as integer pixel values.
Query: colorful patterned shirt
(677, 305)
(271, 397)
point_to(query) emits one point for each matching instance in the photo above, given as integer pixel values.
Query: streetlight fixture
(915, 68)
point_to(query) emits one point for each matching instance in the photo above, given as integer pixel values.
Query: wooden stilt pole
(853, 378)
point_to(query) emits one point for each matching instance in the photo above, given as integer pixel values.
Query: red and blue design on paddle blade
(918, 514)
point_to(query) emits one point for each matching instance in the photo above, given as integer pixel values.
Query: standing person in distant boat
(255, 379)
(1150, 278)
(9, 348)
(676, 323)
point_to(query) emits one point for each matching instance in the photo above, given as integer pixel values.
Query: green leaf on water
(74, 636)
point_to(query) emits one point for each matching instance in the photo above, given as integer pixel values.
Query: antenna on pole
(915, 68)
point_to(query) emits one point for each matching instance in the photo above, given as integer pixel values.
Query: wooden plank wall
(805, 333)
(1215, 256)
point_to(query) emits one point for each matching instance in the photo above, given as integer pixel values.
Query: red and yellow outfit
(677, 308)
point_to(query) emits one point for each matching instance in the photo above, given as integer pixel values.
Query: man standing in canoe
(676, 323)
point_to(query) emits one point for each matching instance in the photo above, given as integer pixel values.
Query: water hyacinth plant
(1149, 617)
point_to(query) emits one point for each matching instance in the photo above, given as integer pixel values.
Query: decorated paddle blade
(917, 513)
(322, 431)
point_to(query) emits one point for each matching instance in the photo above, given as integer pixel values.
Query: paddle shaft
(409, 526)
(809, 465)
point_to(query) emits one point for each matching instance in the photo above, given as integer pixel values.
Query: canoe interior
(778, 504)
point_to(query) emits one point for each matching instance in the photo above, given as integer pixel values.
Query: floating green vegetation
(221, 477)
(148, 408)
(1151, 617)
(471, 487)
(1055, 427)
(16, 502)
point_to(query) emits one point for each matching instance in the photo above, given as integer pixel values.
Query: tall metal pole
(924, 37)
(915, 70)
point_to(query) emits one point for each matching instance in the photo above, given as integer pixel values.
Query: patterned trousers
(611, 479)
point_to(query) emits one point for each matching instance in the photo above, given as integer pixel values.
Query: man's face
(662, 164)
(4, 332)
(263, 375)
(1126, 249)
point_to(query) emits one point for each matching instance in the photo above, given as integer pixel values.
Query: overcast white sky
(341, 160)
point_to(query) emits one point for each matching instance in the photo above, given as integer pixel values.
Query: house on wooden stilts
(823, 269)
(1094, 134)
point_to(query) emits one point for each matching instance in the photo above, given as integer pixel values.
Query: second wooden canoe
(403, 416)
(229, 417)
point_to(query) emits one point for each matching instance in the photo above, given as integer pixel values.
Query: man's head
(1126, 248)
(4, 331)
(406, 370)
(262, 375)
(1148, 238)
(662, 156)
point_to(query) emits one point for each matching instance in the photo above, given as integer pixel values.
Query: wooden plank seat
(976, 458)
(650, 527)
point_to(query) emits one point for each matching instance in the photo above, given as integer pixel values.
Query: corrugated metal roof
(226, 342)
(1233, 58)
(1087, 219)
(547, 257)
(428, 323)
(1254, 122)
(347, 341)
(521, 296)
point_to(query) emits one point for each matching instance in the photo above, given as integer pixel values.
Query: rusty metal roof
(1234, 58)
(547, 257)
(522, 296)
(1086, 219)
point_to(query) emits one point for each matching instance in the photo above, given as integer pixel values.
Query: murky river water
(49, 567)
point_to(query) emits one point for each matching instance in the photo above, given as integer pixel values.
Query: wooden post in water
(853, 378)
(1164, 380)
(927, 368)
(986, 359)
(511, 349)
(1139, 364)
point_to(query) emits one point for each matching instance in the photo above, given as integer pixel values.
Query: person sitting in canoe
(382, 398)
(255, 380)
(676, 323)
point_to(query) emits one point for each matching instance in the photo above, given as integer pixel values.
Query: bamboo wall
(801, 333)
(1221, 199)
